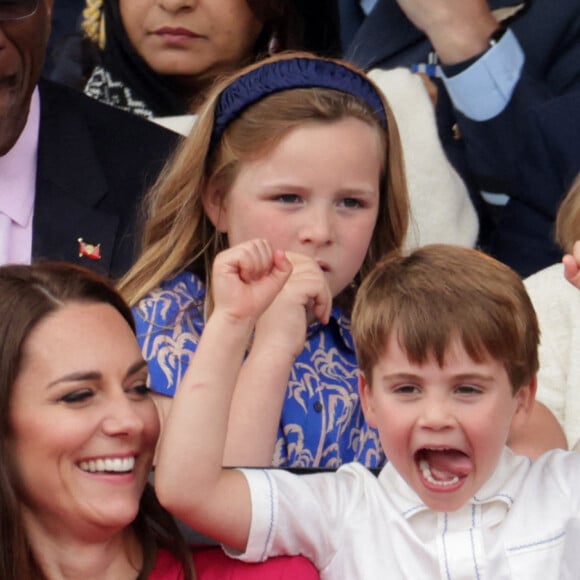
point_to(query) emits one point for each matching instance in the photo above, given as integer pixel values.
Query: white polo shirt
(523, 524)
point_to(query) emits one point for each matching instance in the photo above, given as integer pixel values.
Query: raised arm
(279, 338)
(499, 92)
(458, 29)
(189, 478)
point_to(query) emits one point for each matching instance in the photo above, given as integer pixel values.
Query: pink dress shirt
(17, 190)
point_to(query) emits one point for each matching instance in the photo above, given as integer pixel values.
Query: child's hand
(247, 277)
(572, 265)
(308, 284)
(304, 297)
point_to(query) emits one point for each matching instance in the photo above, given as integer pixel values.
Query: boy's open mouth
(443, 468)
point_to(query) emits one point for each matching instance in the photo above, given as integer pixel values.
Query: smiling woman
(79, 431)
(78, 437)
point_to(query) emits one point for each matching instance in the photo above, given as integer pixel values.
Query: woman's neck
(64, 556)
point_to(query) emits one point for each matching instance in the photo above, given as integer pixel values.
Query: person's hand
(572, 265)
(247, 277)
(304, 297)
(458, 29)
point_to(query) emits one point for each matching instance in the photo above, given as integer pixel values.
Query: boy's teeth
(426, 471)
(116, 465)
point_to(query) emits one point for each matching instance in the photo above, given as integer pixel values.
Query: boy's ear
(366, 399)
(215, 207)
(525, 398)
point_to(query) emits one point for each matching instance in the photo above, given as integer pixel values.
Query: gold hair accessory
(93, 23)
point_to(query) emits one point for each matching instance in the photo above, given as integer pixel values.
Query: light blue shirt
(483, 90)
(367, 5)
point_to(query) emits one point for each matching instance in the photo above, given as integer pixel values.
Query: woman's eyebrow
(76, 376)
(95, 375)
(136, 367)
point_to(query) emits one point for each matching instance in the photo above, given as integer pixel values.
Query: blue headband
(293, 73)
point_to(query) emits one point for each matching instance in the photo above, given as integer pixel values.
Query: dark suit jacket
(548, 165)
(94, 164)
(550, 39)
(488, 153)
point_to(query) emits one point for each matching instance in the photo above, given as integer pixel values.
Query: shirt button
(318, 407)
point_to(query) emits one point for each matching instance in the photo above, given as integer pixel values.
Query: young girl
(303, 152)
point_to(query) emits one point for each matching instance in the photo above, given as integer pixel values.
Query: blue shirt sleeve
(368, 5)
(169, 323)
(483, 90)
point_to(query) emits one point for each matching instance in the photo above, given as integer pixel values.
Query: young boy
(447, 345)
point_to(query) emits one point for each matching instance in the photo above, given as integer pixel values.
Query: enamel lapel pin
(91, 251)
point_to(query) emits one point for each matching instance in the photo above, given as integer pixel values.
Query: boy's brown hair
(441, 292)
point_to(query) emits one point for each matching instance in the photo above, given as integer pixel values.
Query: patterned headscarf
(159, 93)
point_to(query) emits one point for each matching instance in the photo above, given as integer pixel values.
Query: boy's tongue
(446, 463)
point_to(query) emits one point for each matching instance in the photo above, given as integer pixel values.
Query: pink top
(213, 564)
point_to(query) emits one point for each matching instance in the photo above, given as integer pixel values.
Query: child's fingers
(570, 267)
(254, 263)
(323, 305)
(255, 260)
(313, 285)
(259, 260)
(282, 264)
(242, 256)
(576, 252)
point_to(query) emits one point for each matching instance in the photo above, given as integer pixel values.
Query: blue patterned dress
(322, 423)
